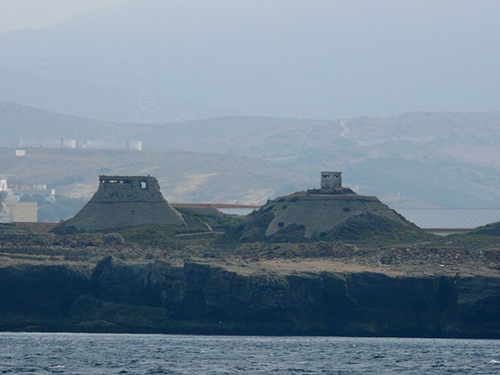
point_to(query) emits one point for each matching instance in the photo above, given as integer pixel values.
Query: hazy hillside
(183, 176)
(416, 159)
(18, 121)
(274, 138)
(165, 60)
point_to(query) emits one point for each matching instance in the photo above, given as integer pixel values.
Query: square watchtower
(330, 180)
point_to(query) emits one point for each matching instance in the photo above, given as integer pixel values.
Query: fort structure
(324, 213)
(125, 201)
(331, 183)
(331, 180)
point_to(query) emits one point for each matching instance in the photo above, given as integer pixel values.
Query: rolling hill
(412, 160)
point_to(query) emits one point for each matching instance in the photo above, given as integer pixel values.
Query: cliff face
(39, 296)
(200, 298)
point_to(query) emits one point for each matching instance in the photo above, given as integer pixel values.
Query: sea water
(69, 353)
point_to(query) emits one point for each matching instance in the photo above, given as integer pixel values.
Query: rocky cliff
(321, 297)
(156, 279)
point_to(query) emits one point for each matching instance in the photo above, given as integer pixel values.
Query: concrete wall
(22, 212)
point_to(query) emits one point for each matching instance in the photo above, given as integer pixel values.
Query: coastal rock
(41, 288)
(39, 297)
(201, 298)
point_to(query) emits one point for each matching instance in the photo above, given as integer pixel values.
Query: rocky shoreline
(291, 268)
(343, 290)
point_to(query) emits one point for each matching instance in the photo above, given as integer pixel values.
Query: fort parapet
(128, 189)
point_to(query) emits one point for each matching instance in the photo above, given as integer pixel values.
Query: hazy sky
(34, 14)
(162, 59)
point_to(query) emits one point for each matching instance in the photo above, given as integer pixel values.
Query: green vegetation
(478, 238)
(149, 235)
(488, 230)
(369, 228)
(206, 230)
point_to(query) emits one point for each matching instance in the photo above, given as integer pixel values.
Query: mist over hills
(165, 61)
(271, 92)
(412, 160)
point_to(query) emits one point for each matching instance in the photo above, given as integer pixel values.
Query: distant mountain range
(413, 160)
(161, 61)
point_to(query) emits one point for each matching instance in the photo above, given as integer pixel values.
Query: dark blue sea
(69, 353)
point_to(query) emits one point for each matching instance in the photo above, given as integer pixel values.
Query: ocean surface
(69, 353)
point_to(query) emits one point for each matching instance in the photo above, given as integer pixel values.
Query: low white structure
(19, 212)
(114, 144)
(15, 195)
(47, 143)
(12, 192)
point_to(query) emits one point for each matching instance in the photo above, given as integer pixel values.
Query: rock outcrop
(200, 298)
(124, 201)
(39, 297)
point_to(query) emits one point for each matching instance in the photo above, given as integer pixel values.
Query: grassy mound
(306, 218)
(488, 230)
(373, 228)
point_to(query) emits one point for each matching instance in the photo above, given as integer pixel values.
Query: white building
(19, 212)
(11, 210)
(114, 144)
(13, 193)
(47, 143)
